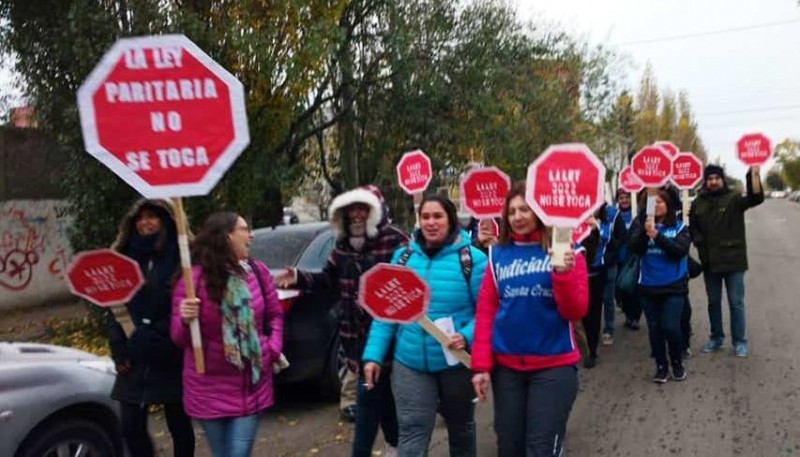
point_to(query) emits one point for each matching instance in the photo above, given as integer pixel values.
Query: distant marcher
(524, 338)
(718, 230)
(629, 302)
(241, 323)
(663, 243)
(422, 377)
(364, 238)
(148, 363)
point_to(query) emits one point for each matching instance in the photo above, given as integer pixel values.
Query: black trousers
(134, 430)
(686, 322)
(593, 319)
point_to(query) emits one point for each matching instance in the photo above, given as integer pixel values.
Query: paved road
(727, 406)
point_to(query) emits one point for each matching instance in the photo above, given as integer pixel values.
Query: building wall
(34, 252)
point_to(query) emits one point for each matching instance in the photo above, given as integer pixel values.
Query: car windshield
(280, 248)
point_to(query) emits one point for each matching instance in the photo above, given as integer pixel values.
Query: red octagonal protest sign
(653, 166)
(414, 172)
(628, 180)
(393, 293)
(104, 277)
(483, 192)
(565, 184)
(687, 170)
(754, 149)
(668, 146)
(163, 116)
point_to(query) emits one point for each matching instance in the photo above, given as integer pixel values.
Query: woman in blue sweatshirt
(663, 243)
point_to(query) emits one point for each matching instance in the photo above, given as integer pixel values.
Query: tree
(787, 155)
(774, 179)
(278, 50)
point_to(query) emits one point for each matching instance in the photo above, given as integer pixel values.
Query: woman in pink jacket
(524, 343)
(241, 324)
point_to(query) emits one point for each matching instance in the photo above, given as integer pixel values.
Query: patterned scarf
(239, 334)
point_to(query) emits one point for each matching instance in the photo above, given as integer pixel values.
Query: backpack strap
(265, 328)
(404, 256)
(465, 257)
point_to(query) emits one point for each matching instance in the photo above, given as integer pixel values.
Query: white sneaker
(390, 451)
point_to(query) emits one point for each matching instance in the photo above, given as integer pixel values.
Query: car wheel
(69, 437)
(330, 384)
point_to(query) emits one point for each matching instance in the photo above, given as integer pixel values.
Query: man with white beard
(364, 238)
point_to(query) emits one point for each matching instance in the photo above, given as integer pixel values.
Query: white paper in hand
(446, 325)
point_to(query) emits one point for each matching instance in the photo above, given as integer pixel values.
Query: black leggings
(134, 429)
(593, 319)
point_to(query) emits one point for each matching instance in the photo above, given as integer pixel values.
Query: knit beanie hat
(712, 169)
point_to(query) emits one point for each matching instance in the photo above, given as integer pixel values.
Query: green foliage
(774, 180)
(353, 82)
(787, 155)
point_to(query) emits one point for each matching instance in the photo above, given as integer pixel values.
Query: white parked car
(56, 401)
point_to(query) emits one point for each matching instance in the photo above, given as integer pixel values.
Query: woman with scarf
(241, 324)
(148, 363)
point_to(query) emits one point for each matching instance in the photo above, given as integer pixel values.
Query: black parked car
(310, 339)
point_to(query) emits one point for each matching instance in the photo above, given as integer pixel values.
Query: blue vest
(526, 322)
(655, 268)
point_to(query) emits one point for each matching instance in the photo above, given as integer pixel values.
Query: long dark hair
(212, 250)
(518, 190)
(671, 217)
(449, 209)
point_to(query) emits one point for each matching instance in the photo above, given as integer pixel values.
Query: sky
(738, 82)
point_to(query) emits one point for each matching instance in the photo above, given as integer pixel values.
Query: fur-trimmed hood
(127, 226)
(359, 195)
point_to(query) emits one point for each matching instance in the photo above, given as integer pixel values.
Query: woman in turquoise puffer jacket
(422, 376)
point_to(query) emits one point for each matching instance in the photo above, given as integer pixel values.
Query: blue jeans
(231, 436)
(375, 408)
(734, 286)
(531, 409)
(663, 313)
(609, 293)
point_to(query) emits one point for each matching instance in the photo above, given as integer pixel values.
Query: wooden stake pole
(562, 243)
(417, 202)
(186, 267)
(685, 205)
(650, 210)
(426, 323)
(634, 205)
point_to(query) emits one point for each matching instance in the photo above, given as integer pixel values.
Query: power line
(710, 33)
(751, 110)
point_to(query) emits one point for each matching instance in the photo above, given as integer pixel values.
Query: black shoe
(348, 413)
(678, 372)
(662, 374)
(590, 362)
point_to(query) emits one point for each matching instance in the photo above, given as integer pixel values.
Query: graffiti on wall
(34, 250)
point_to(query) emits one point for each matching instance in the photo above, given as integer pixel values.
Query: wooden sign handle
(685, 205)
(634, 205)
(417, 201)
(186, 268)
(462, 355)
(561, 243)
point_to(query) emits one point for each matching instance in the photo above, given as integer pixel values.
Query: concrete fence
(34, 253)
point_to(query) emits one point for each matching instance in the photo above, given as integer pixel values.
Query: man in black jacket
(718, 230)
